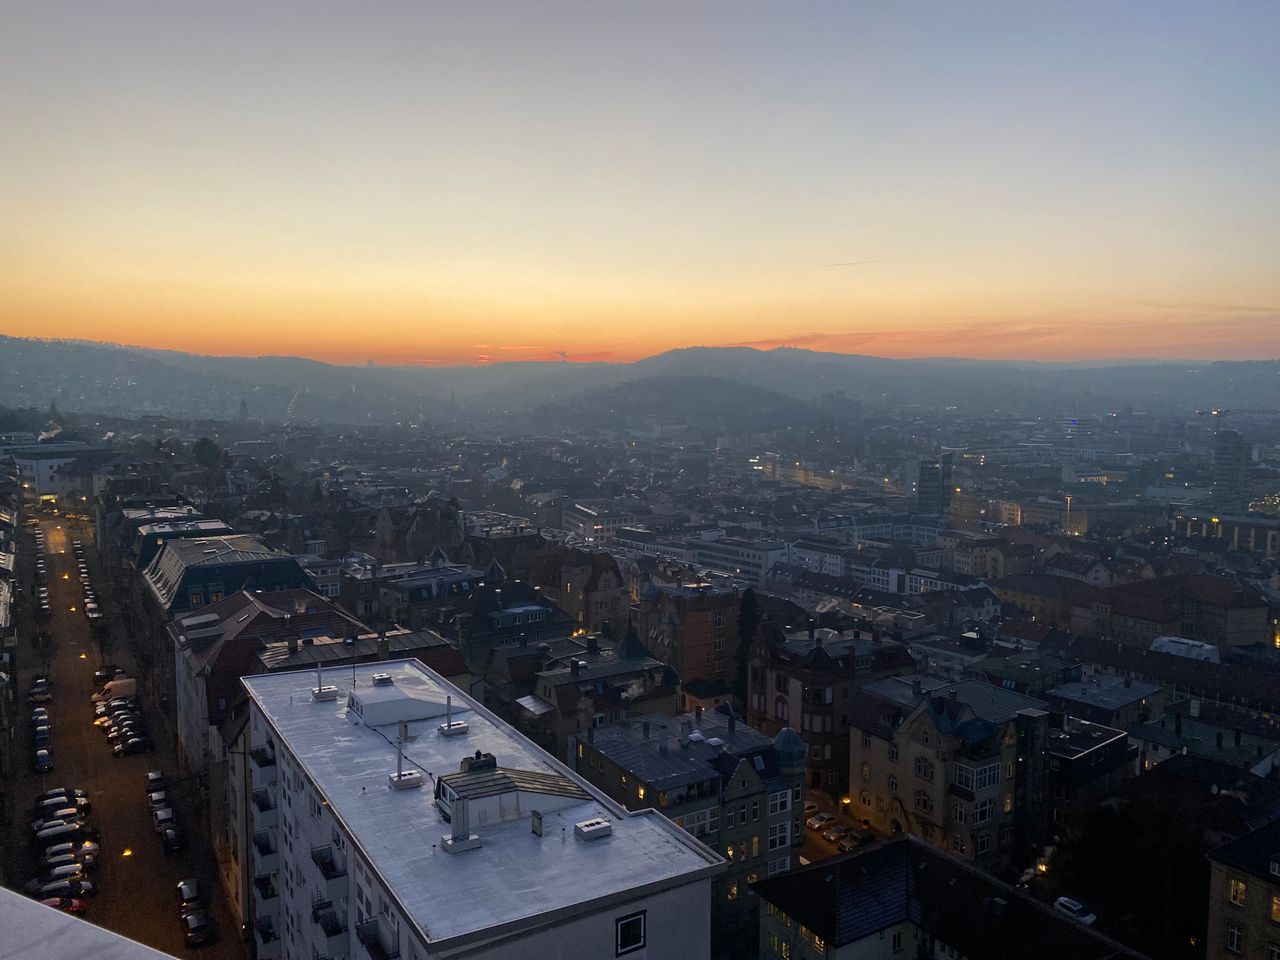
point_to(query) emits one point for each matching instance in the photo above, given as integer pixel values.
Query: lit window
(1275, 908)
(1237, 890)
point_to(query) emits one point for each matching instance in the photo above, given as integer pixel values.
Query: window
(984, 811)
(866, 773)
(924, 803)
(1275, 908)
(978, 778)
(1237, 891)
(895, 943)
(755, 810)
(1273, 951)
(924, 769)
(779, 802)
(866, 742)
(781, 865)
(781, 709)
(958, 813)
(1235, 938)
(1008, 803)
(629, 933)
(197, 599)
(893, 753)
(959, 845)
(893, 784)
(984, 843)
(728, 817)
(780, 835)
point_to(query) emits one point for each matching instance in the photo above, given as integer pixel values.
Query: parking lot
(136, 880)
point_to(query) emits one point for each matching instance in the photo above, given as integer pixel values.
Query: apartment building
(809, 680)
(393, 816)
(959, 764)
(748, 560)
(739, 791)
(693, 628)
(1244, 897)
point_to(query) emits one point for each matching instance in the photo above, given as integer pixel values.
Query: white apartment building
(391, 815)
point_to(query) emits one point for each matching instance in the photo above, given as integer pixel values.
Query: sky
(440, 183)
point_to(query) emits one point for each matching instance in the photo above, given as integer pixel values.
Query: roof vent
(715, 742)
(451, 727)
(382, 680)
(327, 692)
(592, 829)
(695, 736)
(405, 780)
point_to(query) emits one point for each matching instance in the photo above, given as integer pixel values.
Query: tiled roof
(1254, 853)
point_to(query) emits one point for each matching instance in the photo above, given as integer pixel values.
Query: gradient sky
(466, 182)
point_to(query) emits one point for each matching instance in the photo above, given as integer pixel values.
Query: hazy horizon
(450, 184)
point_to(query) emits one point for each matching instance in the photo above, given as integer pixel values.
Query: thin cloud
(856, 263)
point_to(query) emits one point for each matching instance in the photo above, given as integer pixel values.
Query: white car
(1075, 910)
(819, 821)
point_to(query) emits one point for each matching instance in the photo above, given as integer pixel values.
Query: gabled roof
(1254, 853)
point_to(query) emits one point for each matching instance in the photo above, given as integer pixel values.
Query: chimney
(917, 686)
(575, 667)
(697, 717)
(460, 838)
(733, 721)
(813, 629)
(593, 644)
(384, 648)
(292, 641)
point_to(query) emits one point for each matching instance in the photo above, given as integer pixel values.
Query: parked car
(189, 897)
(155, 781)
(88, 861)
(834, 832)
(69, 816)
(819, 821)
(129, 747)
(66, 888)
(163, 818)
(55, 792)
(41, 696)
(41, 736)
(1075, 910)
(66, 904)
(158, 800)
(810, 808)
(198, 927)
(80, 848)
(66, 833)
(55, 806)
(70, 871)
(172, 840)
(44, 761)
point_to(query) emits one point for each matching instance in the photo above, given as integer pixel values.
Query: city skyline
(460, 186)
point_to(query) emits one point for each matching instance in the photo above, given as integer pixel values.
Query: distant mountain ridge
(133, 380)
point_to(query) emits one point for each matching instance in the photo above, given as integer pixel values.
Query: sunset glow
(456, 184)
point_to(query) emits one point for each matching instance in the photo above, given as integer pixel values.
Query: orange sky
(441, 185)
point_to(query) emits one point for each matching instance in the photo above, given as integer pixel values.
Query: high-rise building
(1230, 466)
(391, 815)
(928, 480)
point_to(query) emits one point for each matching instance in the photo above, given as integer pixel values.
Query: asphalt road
(136, 881)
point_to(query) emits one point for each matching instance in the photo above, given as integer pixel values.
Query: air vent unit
(405, 780)
(715, 742)
(327, 692)
(696, 736)
(592, 829)
(382, 680)
(453, 728)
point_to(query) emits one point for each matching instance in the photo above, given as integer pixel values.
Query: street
(136, 880)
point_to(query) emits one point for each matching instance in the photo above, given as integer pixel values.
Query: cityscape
(724, 482)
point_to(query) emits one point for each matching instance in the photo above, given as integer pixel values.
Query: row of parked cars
(845, 837)
(39, 698)
(121, 720)
(42, 573)
(197, 925)
(66, 847)
(90, 606)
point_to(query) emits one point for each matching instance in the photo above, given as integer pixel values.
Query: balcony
(376, 939)
(262, 800)
(324, 916)
(263, 757)
(264, 930)
(266, 886)
(330, 866)
(263, 843)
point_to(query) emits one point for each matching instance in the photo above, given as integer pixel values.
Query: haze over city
(462, 184)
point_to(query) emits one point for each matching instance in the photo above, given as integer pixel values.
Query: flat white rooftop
(513, 875)
(31, 930)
